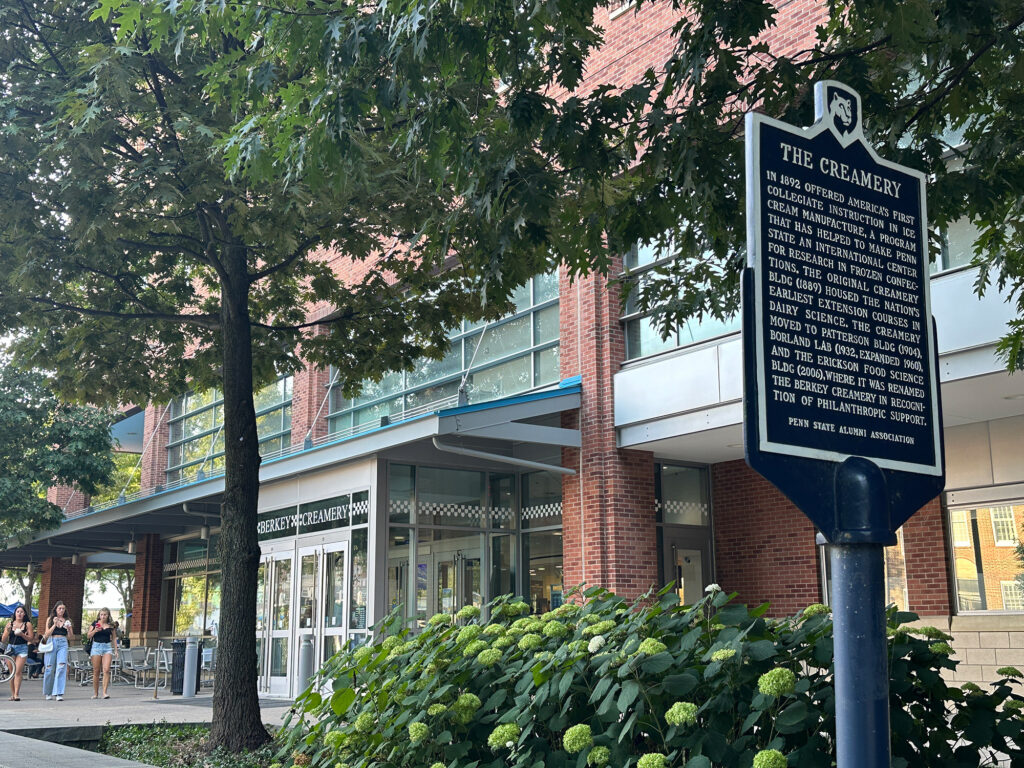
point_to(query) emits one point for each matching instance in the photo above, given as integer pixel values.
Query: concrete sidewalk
(35, 733)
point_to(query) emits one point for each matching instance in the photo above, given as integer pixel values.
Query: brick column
(149, 558)
(60, 581)
(609, 536)
(69, 499)
(924, 548)
(309, 388)
(764, 546)
(154, 460)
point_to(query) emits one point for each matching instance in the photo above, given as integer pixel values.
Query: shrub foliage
(649, 684)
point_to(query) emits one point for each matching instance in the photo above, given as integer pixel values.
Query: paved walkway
(125, 705)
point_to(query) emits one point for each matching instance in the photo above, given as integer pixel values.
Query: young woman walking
(103, 634)
(18, 633)
(59, 632)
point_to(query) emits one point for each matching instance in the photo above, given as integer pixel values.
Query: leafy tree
(45, 440)
(119, 580)
(494, 104)
(134, 268)
(24, 580)
(125, 477)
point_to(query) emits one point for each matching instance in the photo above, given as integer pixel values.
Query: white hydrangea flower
(712, 588)
(596, 644)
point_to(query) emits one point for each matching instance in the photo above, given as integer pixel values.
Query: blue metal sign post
(841, 392)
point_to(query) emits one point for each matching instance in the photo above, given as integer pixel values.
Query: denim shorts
(20, 649)
(102, 649)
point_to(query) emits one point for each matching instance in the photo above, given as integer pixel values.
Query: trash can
(177, 667)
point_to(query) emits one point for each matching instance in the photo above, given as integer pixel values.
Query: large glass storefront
(191, 590)
(463, 537)
(988, 566)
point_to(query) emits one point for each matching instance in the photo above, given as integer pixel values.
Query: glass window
(957, 245)
(542, 558)
(399, 545)
(282, 594)
(681, 495)
(541, 499)
(961, 527)
(644, 338)
(500, 488)
(358, 592)
(197, 435)
(895, 574)
(1013, 596)
(1004, 527)
(449, 496)
(503, 571)
(985, 556)
(401, 479)
(334, 589)
(515, 354)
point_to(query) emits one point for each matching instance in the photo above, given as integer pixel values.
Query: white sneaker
(48, 697)
(60, 698)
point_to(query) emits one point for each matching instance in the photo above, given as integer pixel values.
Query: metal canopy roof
(184, 508)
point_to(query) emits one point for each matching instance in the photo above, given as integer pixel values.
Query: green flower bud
(436, 709)
(468, 701)
(390, 643)
(418, 732)
(474, 648)
(439, 619)
(505, 641)
(970, 688)
(334, 740)
(1009, 672)
(651, 647)
(362, 653)
(437, 765)
(489, 657)
(723, 654)
(577, 738)
(468, 612)
(503, 737)
(777, 682)
(555, 629)
(530, 642)
(651, 760)
(941, 648)
(494, 629)
(468, 634)
(769, 758)
(599, 757)
(599, 628)
(932, 633)
(365, 722)
(815, 609)
(681, 713)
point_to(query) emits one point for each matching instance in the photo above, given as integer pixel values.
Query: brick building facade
(645, 480)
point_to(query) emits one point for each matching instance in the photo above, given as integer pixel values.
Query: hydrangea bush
(652, 684)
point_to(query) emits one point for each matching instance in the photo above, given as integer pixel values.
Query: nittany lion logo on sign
(843, 107)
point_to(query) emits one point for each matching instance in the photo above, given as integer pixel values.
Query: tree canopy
(45, 442)
(494, 104)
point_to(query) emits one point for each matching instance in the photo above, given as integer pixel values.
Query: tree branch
(299, 251)
(203, 321)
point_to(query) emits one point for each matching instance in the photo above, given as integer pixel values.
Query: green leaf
(658, 663)
(698, 761)
(630, 692)
(791, 719)
(680, 685)
(342, 700)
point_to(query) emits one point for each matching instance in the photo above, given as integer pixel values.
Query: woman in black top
(104, 650)
(19, 634)
(60, 633)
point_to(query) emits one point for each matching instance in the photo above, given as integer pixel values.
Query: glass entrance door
(686, 561)
(274, 622)
(322, 597)
(448, 572)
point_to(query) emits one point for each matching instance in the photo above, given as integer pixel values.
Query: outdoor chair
(80, 665)
(136, 662)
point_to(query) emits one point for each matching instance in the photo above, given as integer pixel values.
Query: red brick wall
(924, 547)
(71, 500)
(149, 557)
(60, 581)
(309, 388)
(609, 537)
(154, 460)
(764, 546)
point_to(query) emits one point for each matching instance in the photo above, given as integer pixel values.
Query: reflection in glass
(502, 380)
(499, 500)
(399, 540)
(542, 557)
(307, 590)
(449, 496)
(400, 492)
(542, 499)
(503, 572)
(357, 615)
(986, 568)
(190, 605)
(334, 589)
(333, 644)
(279, 656)
(282, 593)
(688, 574)
(682, 495)
(261, 596)
(545, 367)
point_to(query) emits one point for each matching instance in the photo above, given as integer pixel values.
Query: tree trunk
(237, 724)
(28, 587)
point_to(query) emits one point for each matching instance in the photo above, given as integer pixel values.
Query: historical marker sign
(838, 248)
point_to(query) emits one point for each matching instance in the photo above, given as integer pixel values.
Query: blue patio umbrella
(7, 611)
